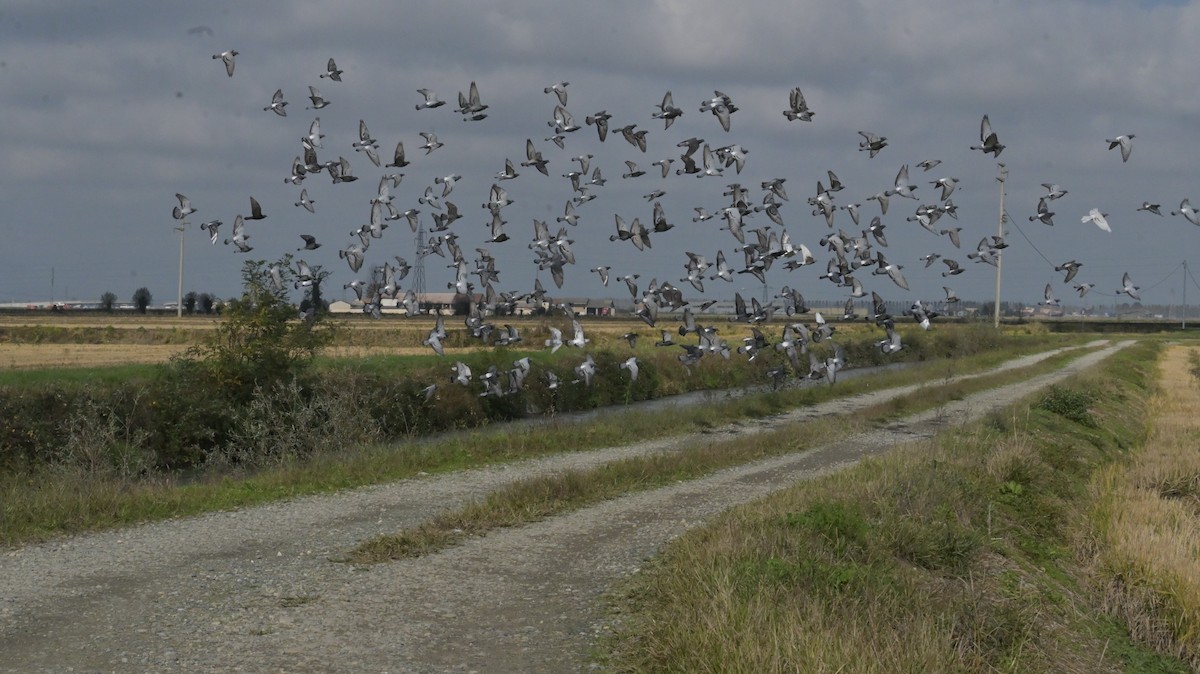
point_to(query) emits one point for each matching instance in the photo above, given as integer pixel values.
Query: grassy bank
(965, 553)
(69, 497)
(1146, 519)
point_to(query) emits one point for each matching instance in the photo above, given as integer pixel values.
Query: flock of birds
(754, 219)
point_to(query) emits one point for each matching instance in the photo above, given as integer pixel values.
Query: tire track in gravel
(255, 590)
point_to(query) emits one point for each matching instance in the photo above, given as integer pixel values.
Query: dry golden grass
(39, 356)
(1149, 520)
(90, 319)
(37, 341)
(44, 341)
(95, 339)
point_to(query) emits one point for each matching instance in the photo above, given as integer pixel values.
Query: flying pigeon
(1098, 218)
(1125, 142)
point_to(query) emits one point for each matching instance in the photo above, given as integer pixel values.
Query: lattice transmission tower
(418, 267)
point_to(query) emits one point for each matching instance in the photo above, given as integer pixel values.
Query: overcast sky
(110, 109)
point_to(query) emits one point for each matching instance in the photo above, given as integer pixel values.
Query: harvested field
(39, 356)
(43, 340)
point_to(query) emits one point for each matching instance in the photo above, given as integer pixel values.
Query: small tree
(189, 302)
(107, 301)
(142, 299)
(261, 339)
(461, 304)
(314, 302)
(314, 297)
(206, 303)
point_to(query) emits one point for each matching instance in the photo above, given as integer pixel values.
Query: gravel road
(257, 590)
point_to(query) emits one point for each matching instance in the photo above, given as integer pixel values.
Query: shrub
(100, 437)
(1070, 404)
(261, 340)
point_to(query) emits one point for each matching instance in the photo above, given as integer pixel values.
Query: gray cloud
(110, 110)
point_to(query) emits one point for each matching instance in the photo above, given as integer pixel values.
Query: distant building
(580, 306)
(1043, 311)
(431, 303)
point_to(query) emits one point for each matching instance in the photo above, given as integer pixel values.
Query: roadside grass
(41, 502)
(962, 553)
(1147, 519)
(105, 374)
(533, 499)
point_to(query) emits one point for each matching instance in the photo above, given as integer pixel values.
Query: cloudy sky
(110, 109)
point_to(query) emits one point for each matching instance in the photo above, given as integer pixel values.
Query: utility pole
(179, 298)
(1183, 325)
(181, 217)
(999, 254)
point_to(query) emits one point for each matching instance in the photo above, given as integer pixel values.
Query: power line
(1097, 292)
(1027, 239)
(1164, 279)
(1188, 273)
(1041, 255)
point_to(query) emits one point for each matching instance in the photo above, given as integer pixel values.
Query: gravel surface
(258, 589)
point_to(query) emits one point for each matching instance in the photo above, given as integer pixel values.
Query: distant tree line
(193, 302)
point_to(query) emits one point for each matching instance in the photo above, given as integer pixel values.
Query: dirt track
(257, 590)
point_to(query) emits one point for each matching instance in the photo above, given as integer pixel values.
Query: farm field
(99, 340)
(39, 356)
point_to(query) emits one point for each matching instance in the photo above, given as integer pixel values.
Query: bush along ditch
(188, 414)
(252, 394)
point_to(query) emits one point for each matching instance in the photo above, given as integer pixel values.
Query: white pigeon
(578, 340)
(1098, 218)
(632, 365)
(555, 341)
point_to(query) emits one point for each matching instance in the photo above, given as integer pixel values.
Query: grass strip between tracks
(536, 498)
